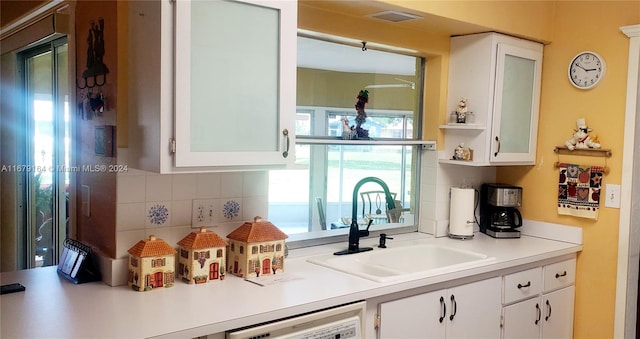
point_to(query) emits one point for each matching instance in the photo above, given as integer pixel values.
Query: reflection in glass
(316, 194)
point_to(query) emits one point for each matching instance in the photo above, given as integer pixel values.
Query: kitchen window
(317, 194)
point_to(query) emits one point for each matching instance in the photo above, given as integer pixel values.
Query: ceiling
(10, 10)
(313, 53)
(428, 23)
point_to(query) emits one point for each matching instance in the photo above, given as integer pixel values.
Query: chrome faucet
(354, 231)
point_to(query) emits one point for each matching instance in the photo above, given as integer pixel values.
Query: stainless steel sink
(402, 262)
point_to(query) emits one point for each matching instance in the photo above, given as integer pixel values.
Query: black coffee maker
(499, 216)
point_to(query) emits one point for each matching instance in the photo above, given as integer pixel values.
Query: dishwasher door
(344, 322)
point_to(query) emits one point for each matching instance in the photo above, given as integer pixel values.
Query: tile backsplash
(435, 185)
(163, 204)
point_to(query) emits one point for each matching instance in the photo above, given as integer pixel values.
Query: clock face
(586, 70)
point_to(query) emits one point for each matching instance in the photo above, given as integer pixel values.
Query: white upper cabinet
(212, 85)
(500, 77)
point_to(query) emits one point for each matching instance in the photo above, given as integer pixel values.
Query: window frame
(319, 126)
(312, 238)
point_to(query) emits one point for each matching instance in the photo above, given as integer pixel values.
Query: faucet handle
(365, 232)
(369, 224)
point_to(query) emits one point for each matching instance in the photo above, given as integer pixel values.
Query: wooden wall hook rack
(588, 152)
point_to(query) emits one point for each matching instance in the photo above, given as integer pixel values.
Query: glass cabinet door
(516, 104)
(234, 82)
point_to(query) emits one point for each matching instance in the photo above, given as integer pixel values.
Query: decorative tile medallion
(231, 209)
(158, 214)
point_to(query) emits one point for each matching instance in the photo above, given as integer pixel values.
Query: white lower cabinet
(548, 311)
(522, 320)
(557, 315)
(466, 311)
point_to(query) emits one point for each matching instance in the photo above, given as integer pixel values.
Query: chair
(321, 214)
(379, 214)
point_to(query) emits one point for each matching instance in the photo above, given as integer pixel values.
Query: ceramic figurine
(348, 133)
(461, 111)
(152, 264)
(462, 153)
(458, 153)
(201, 257)
(581, 138)
(256, 248)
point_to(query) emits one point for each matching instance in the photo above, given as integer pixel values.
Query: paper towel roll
(461, 212)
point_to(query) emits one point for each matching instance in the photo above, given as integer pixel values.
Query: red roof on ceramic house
(202, 239)
(151, 247)
(257, 231)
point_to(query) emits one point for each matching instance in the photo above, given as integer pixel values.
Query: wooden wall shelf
(587, 152)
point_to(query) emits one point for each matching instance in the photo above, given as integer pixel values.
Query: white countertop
(52, 307)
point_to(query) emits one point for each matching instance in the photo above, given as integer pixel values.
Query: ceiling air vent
(394, 16)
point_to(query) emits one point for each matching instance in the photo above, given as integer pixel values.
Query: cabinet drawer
(559, 275)
(522, 285)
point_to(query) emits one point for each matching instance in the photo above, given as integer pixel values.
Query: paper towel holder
(463, 205)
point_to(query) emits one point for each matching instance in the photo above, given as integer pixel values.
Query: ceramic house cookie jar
(201, 257)
(256, 248)
(152, 264)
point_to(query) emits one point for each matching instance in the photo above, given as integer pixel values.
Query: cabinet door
(234, 82)
(557, 314)
(516, 104)
(522, 320)
(474, 309)
(420, 316)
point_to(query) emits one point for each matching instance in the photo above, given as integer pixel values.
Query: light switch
(612, 196)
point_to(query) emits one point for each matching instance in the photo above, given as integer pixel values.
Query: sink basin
(404, 262)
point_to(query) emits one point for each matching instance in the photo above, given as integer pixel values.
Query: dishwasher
(341, 322)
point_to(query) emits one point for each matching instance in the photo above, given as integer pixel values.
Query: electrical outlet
(612, 196)
(204, 213)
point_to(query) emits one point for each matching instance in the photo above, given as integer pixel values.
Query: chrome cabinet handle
(563, 274)
(285, 132)
(525, 285)
(454, 304)
(549, 311)
(539, 313)
(498, 151)
(443, 307)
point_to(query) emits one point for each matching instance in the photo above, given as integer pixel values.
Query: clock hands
(587, 70)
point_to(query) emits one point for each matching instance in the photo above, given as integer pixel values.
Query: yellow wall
(604, 109)
(567, 27)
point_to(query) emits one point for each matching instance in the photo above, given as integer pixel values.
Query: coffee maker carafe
(499, 216)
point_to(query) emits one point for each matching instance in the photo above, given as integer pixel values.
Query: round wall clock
(586, 70)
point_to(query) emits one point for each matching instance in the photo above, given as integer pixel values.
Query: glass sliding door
(46, 156)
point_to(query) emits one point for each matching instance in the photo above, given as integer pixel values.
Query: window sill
(314, 140)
